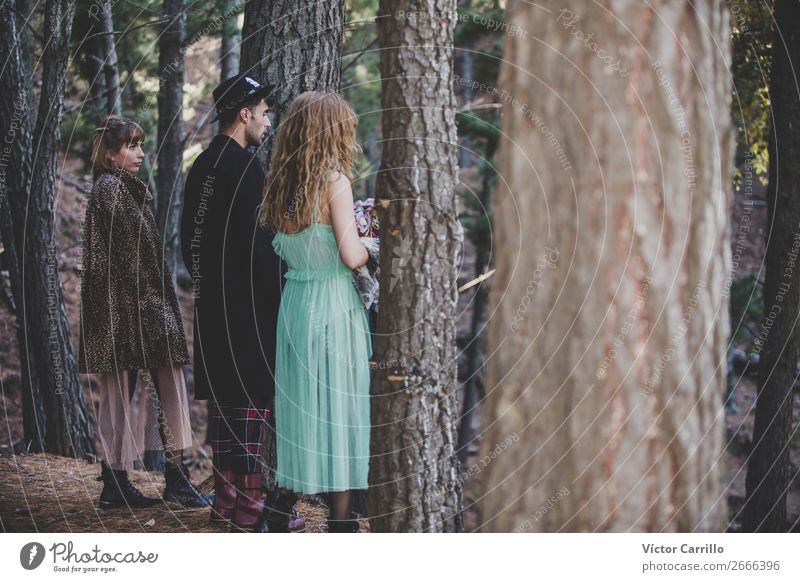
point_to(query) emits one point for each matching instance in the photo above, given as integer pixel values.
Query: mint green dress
(322, 370)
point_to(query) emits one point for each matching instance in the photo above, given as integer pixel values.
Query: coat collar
(223, 141)
(134, 185)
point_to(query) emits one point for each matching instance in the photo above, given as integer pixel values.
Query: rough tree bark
(15, 172)
(606, 366)
(768, 477)
(169, 176)
(294, 47)
(414, 475)
(46, 323)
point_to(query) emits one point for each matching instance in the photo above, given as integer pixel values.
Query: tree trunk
(109, 56)
(467, 73)
(93, 29)
(231, 40)
(606, 373)
(15, 162)
(228, 56)
(294, 47)
(473, 392)
(414, 476)
(768, 478)
(46, 323)
(169, 177)
(87, 28)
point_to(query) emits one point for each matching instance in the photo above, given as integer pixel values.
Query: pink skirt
(129, 426)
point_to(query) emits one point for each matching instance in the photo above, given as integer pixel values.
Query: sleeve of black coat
(187, 219)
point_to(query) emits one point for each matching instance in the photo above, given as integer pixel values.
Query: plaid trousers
(236, 438)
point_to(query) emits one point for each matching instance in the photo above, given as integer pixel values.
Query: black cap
(237, 90)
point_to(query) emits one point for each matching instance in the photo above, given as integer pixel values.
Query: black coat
(236, 277)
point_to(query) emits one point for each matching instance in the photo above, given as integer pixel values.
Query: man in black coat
(236, 285)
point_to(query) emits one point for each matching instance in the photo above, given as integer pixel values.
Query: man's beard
(258, 140)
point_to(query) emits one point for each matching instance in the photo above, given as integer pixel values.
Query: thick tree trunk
(414, 476)
(169, 176)
(606, 367)
(15, 165)
(46, 323)
(294, 47)
(768, 478)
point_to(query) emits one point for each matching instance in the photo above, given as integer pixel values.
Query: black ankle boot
(179, 489)
(118, 491)
(281, 514)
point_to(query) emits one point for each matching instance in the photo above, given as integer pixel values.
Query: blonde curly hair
(317, 135)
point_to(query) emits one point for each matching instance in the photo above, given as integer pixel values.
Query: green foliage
(751, 67)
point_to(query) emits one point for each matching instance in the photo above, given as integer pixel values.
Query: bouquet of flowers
(366, 277)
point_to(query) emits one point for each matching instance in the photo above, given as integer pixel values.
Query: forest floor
(47, 493)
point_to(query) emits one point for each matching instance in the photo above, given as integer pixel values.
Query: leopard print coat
(130, 317)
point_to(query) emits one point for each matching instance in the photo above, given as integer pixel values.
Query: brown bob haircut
(110, 136)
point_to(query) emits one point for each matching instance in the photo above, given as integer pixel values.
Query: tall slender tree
(231, 40)
(169, 175)
(414, 476)
(45, 322)
(96, 57)
(607, 342)
(16, 121)
(768, 475)
(108, 56)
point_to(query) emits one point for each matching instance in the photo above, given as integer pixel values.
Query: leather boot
(281, 514)
(249, 512)
(118, 491)
(225, 496)
(179, 489)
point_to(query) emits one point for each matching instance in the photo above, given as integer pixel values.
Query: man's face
(257, 125)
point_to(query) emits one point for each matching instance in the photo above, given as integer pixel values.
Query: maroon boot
(225, 496)
(249, 512)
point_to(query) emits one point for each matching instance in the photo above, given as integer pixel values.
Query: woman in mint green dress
(323, 345)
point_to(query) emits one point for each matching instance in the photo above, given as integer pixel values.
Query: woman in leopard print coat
(131, 324)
